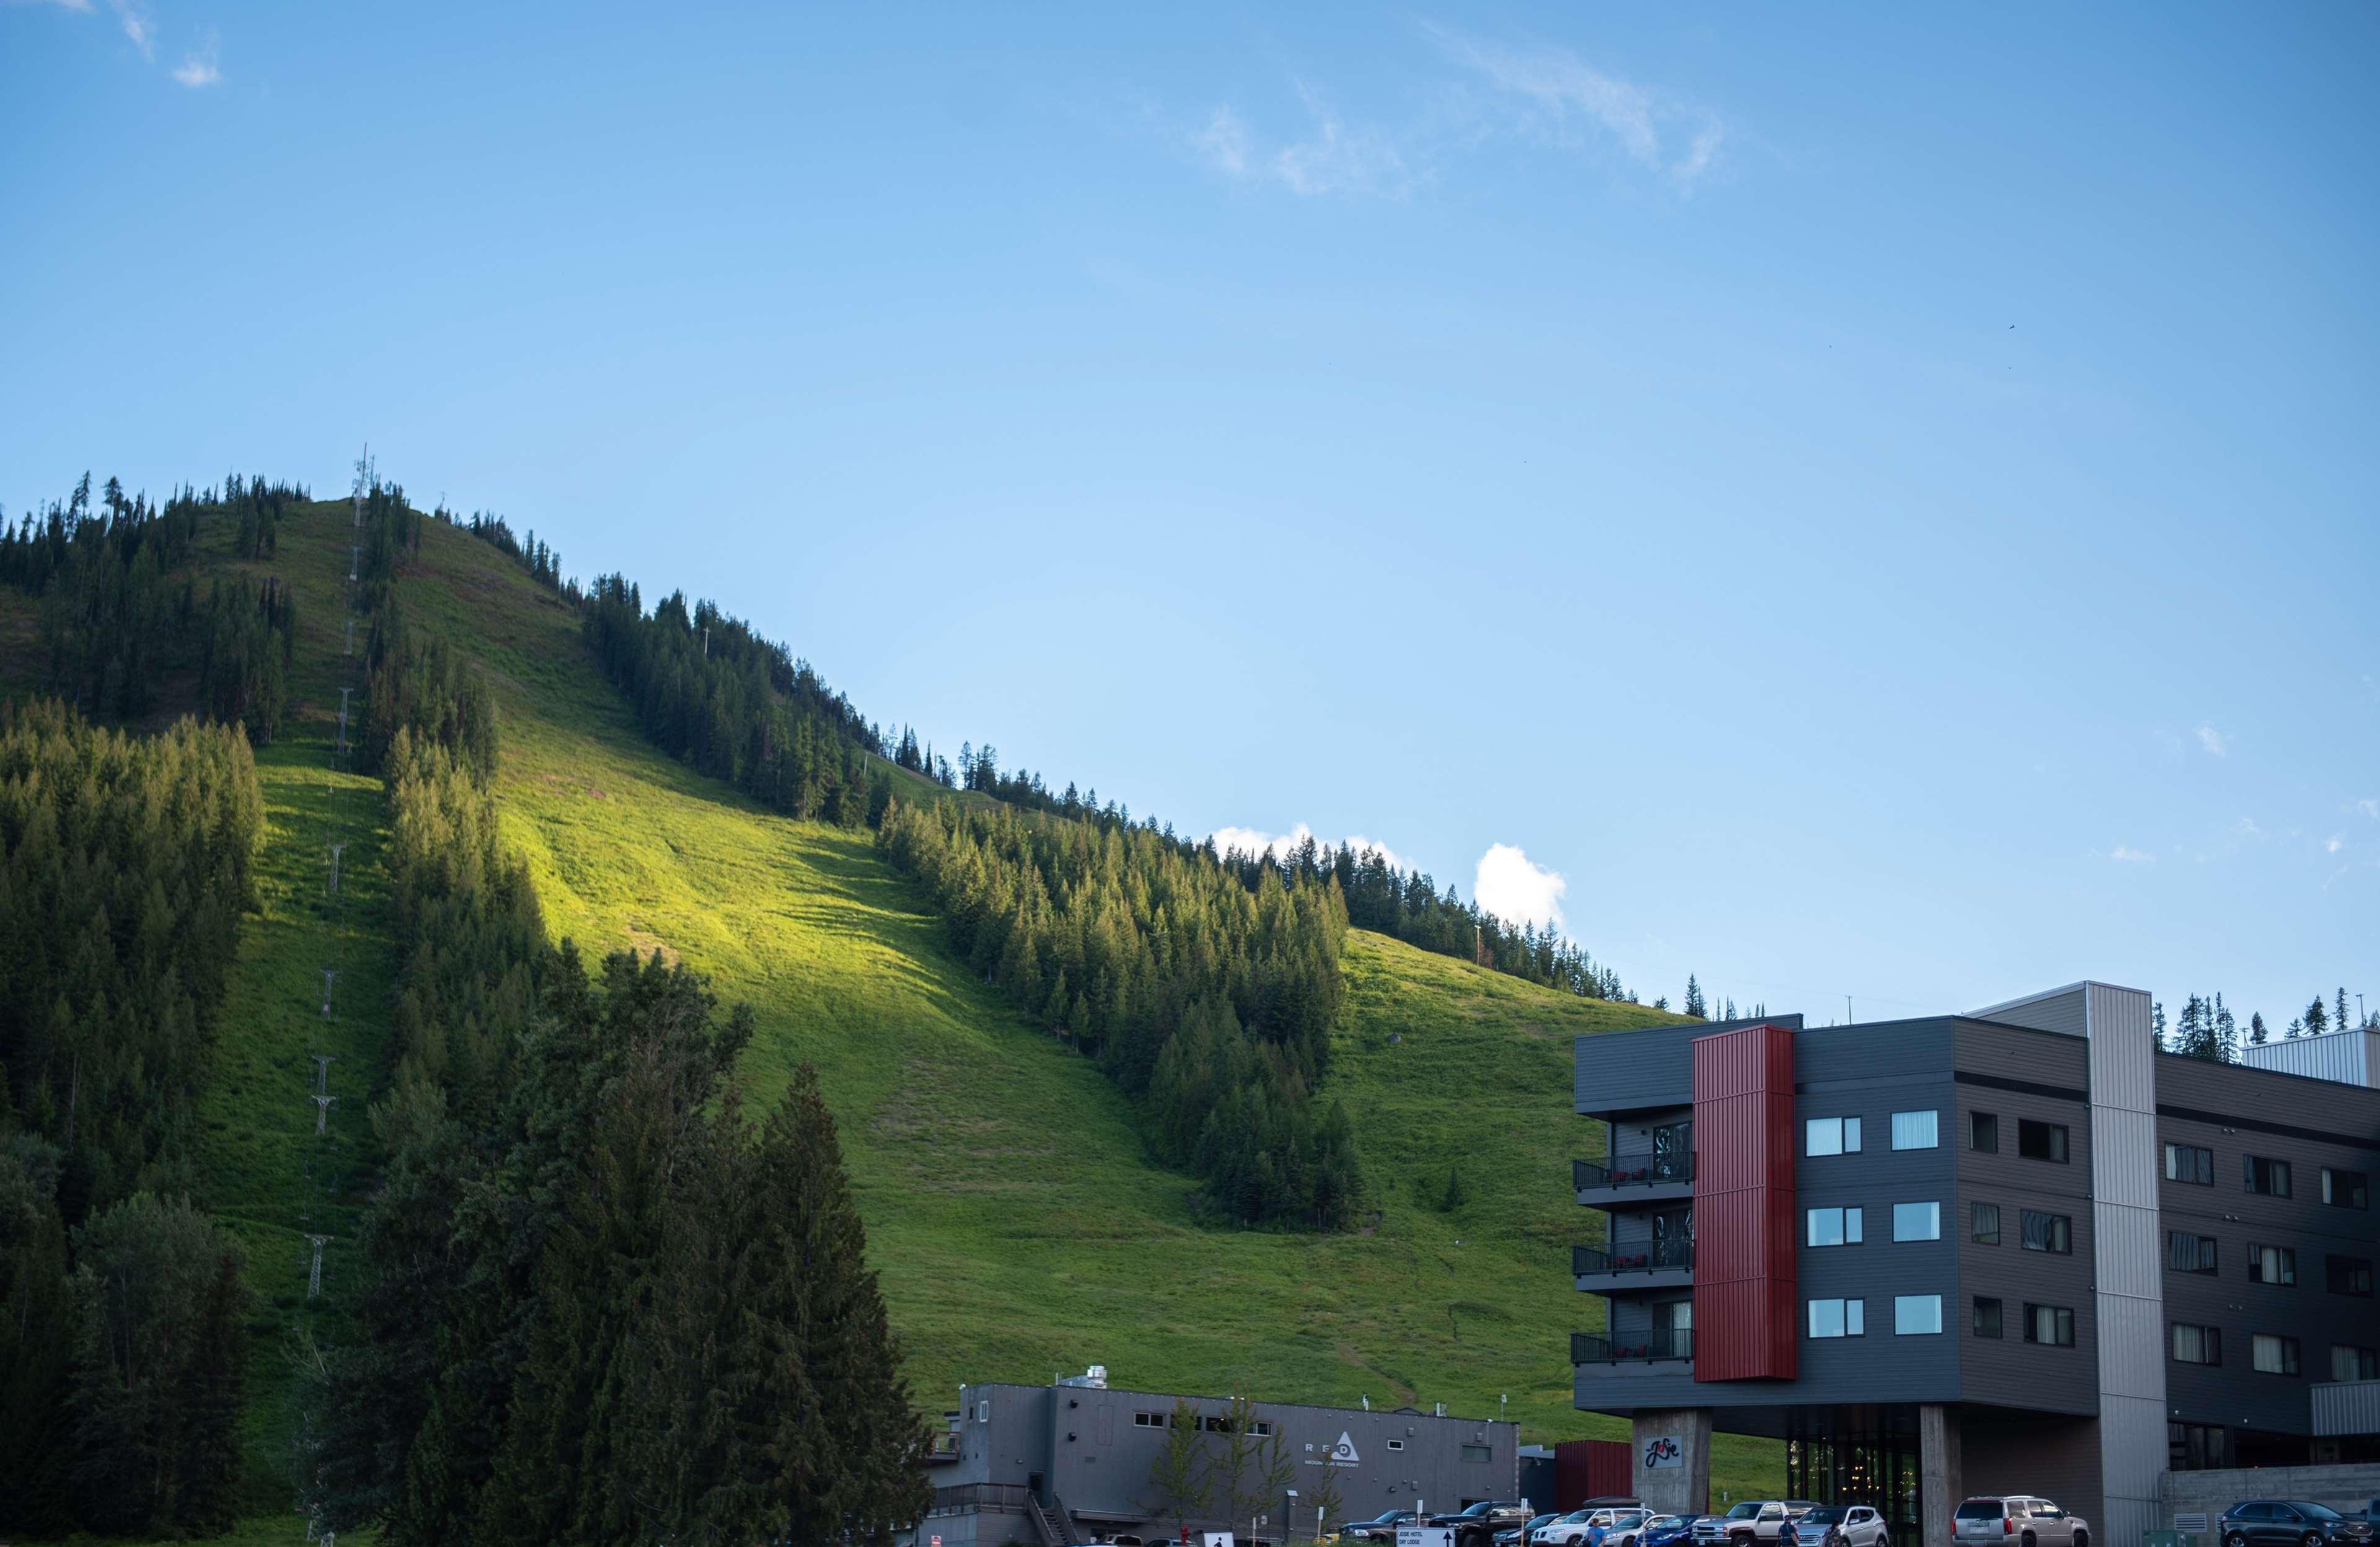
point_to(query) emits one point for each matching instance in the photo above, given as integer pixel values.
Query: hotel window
(2198, 1447)
(2275, 1355)
(2050, 1324)
(1917, 1222)
(2270, 1178)
(1987, 1317)
(1983, 1223)
(1838, 1318)
(1915, 1315)
(1984, 1132)
(1478, 1453)
(2197, 1344)
(2048, 1232)
(2273, 1265)
(1149, 1420)
(1913, 1130)
(2346, 1189)
(1831, 1136)
(2349, 1362)
(2189, 1253)
(1834, 1227)
(2037, 1141)
(2347, 1275)
(2189, 1163)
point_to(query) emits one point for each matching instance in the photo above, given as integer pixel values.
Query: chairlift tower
(314, 1278)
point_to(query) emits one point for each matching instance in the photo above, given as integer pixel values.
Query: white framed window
(1915, 1314)
(983, 1411)
(1396, 1445)
(1915, 1130)
(1149, 1420)
(1829, 1227)
(1838, 1318)
(1830, 1136)
(1917, 1222)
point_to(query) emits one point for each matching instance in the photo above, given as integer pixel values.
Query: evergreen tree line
(417, 686)
(1408, 905)
(124, 871)
(1209, 996)
(709, 691)
(118, 629)
(544, 563)
(2207, 1028)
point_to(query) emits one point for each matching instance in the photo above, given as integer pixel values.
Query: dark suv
(1382, 1529)
(2291, 1523)
(1478, 1525)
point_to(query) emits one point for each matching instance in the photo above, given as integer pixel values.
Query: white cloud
(137, 26)
(1510, 885)
(2213, 740)
(198, 69)
(1250, 840)
(1334, 158)
(2130, 855)
(2370, 809)
(2248, 828)
(1551, 94)
(2333, 843)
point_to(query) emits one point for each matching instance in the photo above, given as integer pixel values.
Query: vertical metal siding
(2351, 1058)
(1744, 1204)
(2346, 1407)
(2126, 1240)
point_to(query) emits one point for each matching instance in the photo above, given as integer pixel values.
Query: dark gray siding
(1627, 1071)
(2012, 1371)
(2004, 1451)
(2236, 1111)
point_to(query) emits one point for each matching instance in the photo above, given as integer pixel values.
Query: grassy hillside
(1016, 1221)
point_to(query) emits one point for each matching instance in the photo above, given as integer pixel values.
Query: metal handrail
(1642, 1170)
(1640, 1258)
(1657, 1343)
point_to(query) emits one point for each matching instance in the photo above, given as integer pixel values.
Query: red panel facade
(1745, 1298)
(1591, 1469)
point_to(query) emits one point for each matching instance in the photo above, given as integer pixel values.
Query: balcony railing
(1631, 1171)
(1639, 1257)
(1661, 1342)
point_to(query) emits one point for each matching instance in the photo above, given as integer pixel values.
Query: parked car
(1842, 1526)
(1519, 1535)
(1668, 1530)
(1380, 1528)
(1761, 1521)
(1573, 1529)
(1478, 1525)
(1621, 1530)
(2029, 1520)
(2291, 1523)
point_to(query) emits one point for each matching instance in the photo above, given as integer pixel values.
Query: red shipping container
(1591, 1469)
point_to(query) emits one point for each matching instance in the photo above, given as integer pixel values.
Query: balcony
(1633, 1265)
(1625, 1181)
(1636, 1347)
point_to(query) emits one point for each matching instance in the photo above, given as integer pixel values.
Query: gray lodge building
(2022, 1250)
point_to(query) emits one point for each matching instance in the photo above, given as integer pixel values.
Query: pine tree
(1695, 1006)
(2339, 1020)
(2256, 1028)
(1180, 1476)
(2318, 1018)
(1453, 1197)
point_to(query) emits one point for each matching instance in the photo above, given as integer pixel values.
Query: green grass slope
(1016, 1219)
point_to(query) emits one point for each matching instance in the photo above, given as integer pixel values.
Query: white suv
(1571, 1529)
(1849, 1525)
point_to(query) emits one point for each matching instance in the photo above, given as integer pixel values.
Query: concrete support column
(1671, 1467)
(1939, 1472)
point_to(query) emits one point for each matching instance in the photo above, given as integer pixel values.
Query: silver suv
(1753, 1523)
(2020, 1519)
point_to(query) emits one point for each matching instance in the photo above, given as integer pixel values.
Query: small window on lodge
(1149, 1420)
(2038, 1140)
(1482, 1454)
(1831, 1136)
(1396, 1445)
(1983, 1222)
(2189, 1163)
(1913, 1130)
(1984, 1132)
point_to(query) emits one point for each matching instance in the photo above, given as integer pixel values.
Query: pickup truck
(1753, 1523)
(1478, 1525)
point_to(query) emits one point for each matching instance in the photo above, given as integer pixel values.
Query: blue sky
(1876, 502)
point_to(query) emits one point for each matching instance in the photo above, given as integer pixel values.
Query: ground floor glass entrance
(1853, 1456)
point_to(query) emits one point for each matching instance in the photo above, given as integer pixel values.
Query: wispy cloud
(2370, 809)
(2214, 740)
(1332, 157)
(200, 68)
(2333, 843)
(1510, 886)
(137, 26)
(1551, 94)
(2130, 855)
(1544, 95)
